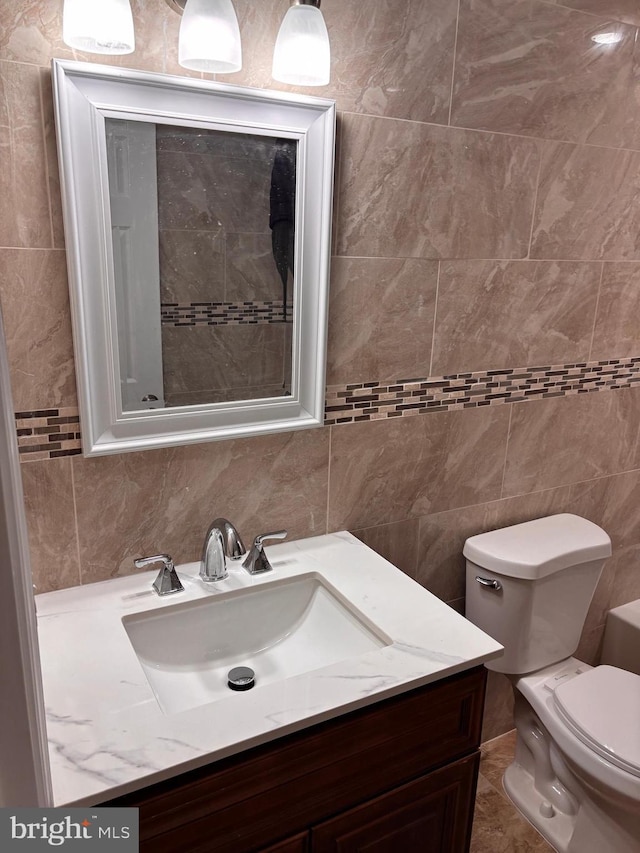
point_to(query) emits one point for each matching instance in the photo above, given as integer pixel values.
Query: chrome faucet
(256, 560)
(222, 540)
(167, 580)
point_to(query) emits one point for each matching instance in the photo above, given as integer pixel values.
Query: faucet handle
(256, 560)
(167, 580)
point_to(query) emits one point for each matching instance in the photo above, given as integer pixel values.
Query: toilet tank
(530, 585)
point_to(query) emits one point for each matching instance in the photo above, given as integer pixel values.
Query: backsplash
(375, 400)
(485, 228)
(223, 313)
(50, 433)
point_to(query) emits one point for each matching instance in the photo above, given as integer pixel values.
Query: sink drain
(241, 678)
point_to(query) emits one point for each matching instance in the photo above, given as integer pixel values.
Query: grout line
(453, 65)
(45, 157)
(513, 260)
(535, 200)
(506, 451)
(595, 314)
(337, 177)
(497, 737)
(609, 19)
(75, 519)
(326, 521)
(484, 130)
(435, 317)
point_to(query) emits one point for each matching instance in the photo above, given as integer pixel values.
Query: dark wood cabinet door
(430, 815)
(296, 844)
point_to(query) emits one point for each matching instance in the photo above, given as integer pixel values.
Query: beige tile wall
(486, 216)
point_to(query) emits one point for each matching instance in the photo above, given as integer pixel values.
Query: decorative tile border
(370, 401)
(50, 433)
(223, 313)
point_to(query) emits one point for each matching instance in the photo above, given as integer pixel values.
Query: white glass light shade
(302, 55)
(99, 26)
(210, 37)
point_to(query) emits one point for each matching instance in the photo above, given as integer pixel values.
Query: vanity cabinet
(398, 775)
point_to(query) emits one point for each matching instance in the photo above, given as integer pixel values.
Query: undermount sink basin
(280, 629)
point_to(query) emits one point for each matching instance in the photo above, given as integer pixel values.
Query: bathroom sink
(280, 629)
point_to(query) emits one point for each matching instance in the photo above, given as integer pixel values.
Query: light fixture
(209, 36)
(302, 55)
(607, 38)
(101, 26)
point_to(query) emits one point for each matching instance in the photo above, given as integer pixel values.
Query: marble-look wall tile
(625, 585)
(192, 265)
(416, 190)
(164, 500)
(617, 332)
(441, 565)
(606, 502)
(48, 502)
(24, 215)
(500, 314)
(590, 646)
(498, 709)
(31, 31)
(207, 192)
(387, 57)
(398, 469)
(51, 153)
(587, 204)
(621, 10)
(197, 358)
(251, 271)
(397, 543)
(196, 398)
(525, 507)
(570, 439)
(611, 502)
(380, 319)
(36, 316)
(532, 68)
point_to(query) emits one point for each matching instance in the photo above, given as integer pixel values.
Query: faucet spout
(221, 541)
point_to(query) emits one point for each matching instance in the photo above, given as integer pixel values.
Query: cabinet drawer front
(431, 813)
(245, 802)
(297, 844)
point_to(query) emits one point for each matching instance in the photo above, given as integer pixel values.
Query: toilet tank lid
(540, 547)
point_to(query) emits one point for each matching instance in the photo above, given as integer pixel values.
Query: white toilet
(576, 772)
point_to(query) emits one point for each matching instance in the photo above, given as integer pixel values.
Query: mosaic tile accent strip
(223, 313)
(371, 401)
(48, 433)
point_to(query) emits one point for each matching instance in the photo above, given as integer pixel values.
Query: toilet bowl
(576, 771)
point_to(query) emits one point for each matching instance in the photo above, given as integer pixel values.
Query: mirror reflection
(203, 241)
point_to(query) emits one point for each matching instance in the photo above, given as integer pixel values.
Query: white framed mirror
(197, 224)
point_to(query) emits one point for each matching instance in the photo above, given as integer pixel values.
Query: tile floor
(497, 825)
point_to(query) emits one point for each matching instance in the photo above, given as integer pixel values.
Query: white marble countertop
(107, 733)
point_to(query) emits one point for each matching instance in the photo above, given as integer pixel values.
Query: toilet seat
(602, 708)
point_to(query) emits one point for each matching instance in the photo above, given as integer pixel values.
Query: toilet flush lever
(489, 582)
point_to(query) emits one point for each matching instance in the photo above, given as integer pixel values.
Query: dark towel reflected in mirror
(282, 213)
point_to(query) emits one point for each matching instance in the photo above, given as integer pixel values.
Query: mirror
(197, 222)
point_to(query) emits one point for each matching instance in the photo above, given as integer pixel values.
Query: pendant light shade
(99, 26)
(210, 37)
(302, 55)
